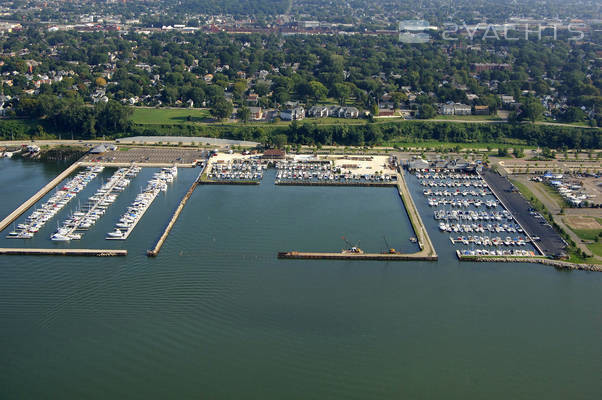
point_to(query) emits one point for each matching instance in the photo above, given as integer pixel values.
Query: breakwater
(64, 252)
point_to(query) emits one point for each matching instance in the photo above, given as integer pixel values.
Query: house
(507, 99)
(253, 98)
(446, 109)
(318, 111)
(455, 109)
(274, 154)
(296, 113)
(349, 112)
(481, 110)
(462, 109)
(256, 113)
(208, 78)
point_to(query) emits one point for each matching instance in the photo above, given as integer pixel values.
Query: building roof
(101, 148)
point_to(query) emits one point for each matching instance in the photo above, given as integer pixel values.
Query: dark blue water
(218, 316)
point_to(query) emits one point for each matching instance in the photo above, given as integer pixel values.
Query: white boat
(116, 233)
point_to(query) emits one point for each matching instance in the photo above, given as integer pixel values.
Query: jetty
(36, 197)
(155, 251)
(64, 252)
(299, 255)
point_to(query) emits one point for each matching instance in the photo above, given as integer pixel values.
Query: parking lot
(148, 155)
(550, 242)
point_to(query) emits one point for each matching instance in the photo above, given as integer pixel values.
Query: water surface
(218, 316)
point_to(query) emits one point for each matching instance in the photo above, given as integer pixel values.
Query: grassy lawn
(469, 117)
(554, 195)
(596, 248)
(169, 115)
(587, 234)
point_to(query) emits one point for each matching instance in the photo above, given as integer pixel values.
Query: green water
(218, 316)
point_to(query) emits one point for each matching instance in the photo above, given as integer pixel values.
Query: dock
(64, 252)
(155, 251)
(36, 197)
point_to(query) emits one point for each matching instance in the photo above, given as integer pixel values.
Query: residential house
(256, 113)
(296, 113)
(318, 111)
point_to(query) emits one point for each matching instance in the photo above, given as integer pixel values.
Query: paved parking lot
(148, 155)
(551, 243)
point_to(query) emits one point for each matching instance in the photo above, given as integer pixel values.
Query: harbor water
(216, 315)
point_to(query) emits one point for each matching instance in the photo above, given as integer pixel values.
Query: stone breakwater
(536, 260)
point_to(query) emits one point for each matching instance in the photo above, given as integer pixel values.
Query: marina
(138, 208)
(54, 204)
(237, 170)
(463, 203)
(85, 217)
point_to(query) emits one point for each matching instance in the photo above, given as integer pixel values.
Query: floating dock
(155, 251)
(64, 252)
(36, 197)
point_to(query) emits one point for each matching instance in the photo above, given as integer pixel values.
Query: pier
(424, 241)
(64, 252)
(300, 255)
(155, 251)
(36, 197)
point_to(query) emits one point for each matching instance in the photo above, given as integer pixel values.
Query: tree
(533, 110)
(426, 111)
(342, 91)
(100, 81)
(221, 109)
(244, 114)
(318, 91)
(239, 89)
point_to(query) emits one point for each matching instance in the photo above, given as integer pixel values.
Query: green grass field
(468, 117)
(158, 116)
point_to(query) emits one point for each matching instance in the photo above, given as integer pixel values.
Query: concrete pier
(300, 255)
(424, 241)
(155, 251)
(64, 252)
(36, 197)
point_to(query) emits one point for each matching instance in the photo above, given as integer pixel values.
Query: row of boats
(495, 253)
(67, 192)
(239, 170)
(489, 241)
(453, 227)
(457, 192)
(472, 215)
(323, 172)
(143, 200)
(453, 183)
(97, 204)
(435, 202)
